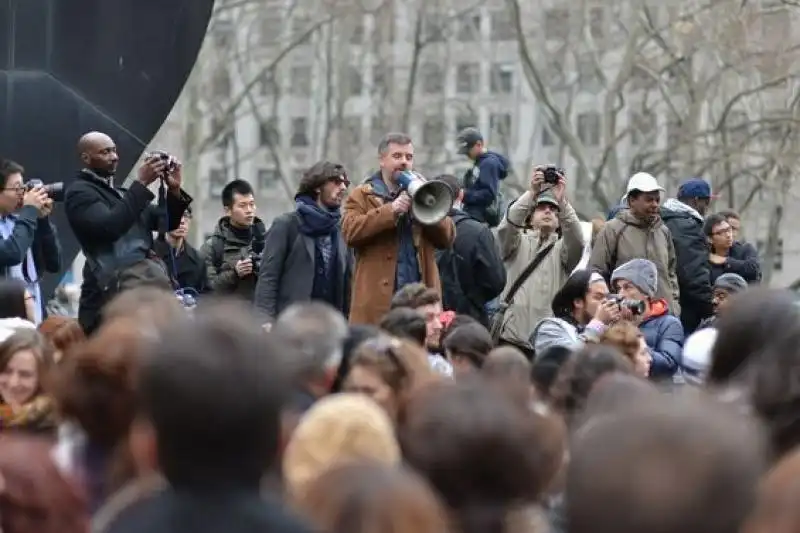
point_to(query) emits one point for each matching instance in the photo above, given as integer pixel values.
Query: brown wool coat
(369, 227)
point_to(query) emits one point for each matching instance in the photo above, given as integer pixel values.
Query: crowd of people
(350, 369)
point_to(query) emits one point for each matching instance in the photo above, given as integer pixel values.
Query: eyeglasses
(340, 180)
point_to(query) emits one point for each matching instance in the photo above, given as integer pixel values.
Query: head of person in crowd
(395, 154)
(696, 359)
(324, 184)
(95, 389)
(428, 303)
(637, 282)
(25, 364)
(340, 429)
(16, 301)
(578, 300)
(455, 186)
(484, 455)
(98, 153)
(735, 222)
(471, 143)
(467, 347)
(314, 333)
(778, 492)
(687, 465)
(580, 373)
(210, 402)
(719, 234)
(388, 370)
(544, 216)
(153, 309)
(451, 325)
(643, 196)
(546, 368)
(696, 193)
(178, 236)
(614, 393)
(508, 370)
(626, 337)
(63, 333)
(11, 186)
(748, 328)
(35, 497)
(239, 204)
(369, 497)
(725, 287)
(356, 334)
(406, 323)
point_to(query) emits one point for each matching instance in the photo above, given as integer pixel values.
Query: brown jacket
(368, 226)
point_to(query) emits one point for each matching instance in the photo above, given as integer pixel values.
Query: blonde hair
(623, 336)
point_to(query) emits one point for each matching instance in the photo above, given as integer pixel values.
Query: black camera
(637, 307)
(171, 162)
(552, 174)
(54, 190)
(255, 253)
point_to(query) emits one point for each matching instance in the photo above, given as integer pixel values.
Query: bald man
(115, 226)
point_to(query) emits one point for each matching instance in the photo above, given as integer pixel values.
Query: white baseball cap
(644, 182)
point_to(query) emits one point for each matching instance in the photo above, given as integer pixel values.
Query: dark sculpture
(71, 66)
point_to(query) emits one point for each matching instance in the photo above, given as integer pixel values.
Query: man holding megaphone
(394, 221)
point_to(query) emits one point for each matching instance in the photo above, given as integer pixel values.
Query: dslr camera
(552, 173)
(171, 162)
(255, 253)
(54, 190)
(637, 307)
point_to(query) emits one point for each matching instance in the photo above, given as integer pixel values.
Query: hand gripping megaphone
(430, 200)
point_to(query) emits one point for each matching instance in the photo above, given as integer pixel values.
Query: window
(299, 132)
(222, 33)
(502, 80)
(301, 24)
(502, 26)
(351, 131)
(385, 23)
(432, 78)
(468, 78)
(358, 31)
(674, 134)
(589, 128)
(555, 72)
(433, 132)
(641, 80)
(434, 27)
(271, 29)
(221, 84)
(556, 25)
(597, 22)
(300, 79)
(268, 84)
(353, 82)
(643, 126)
(379, 126)
(381, 78)
(465, 120)
(268, 178)
(588, 77)
(761, 246)
(217, 179)
(738, 128)
(776, 28)
(469, 28)
(269, 133)
(500, 124)
(547, 136)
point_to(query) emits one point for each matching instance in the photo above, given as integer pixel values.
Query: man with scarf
(305, 257)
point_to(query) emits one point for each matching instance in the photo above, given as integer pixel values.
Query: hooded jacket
(663, 334)
(482, 182)
(222, 250)
(691, 250)
(625, 238)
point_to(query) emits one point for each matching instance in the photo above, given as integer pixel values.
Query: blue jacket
(482, 182)
(663, 334)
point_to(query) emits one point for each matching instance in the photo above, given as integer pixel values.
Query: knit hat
(731, 283)
(641, 272)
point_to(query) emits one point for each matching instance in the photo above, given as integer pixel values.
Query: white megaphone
(430, 200)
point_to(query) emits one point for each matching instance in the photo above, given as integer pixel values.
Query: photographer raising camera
(541, 242)
(636, 284)
(29, 243)
(115, 226)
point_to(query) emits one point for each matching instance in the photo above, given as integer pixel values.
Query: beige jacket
(519, 247)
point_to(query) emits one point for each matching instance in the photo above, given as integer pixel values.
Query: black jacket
(187, 267)
(691, 250)
(287, 269)
(114, 228)
(743, 260)
(478, 275)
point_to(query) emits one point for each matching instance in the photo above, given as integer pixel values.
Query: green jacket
(222, 250)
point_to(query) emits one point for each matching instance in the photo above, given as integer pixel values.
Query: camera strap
(525, 274)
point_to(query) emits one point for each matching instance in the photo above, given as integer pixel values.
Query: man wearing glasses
(305, 257)
(29, 243)
(185, 264)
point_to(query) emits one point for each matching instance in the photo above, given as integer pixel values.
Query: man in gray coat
(305, 257)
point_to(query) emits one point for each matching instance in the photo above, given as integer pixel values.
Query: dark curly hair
(319, 174)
